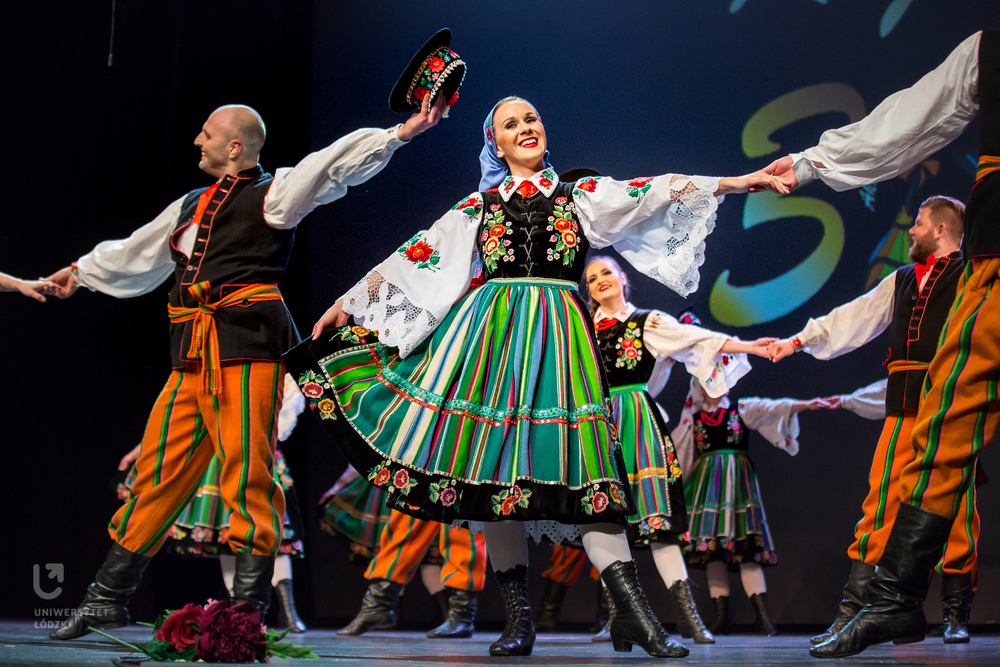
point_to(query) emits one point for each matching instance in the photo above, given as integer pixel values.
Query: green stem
(124, 643)
(148, 625)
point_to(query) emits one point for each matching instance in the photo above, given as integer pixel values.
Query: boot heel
(913, 639)
(527, 651)
(621, 646)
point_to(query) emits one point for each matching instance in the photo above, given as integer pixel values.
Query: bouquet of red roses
(217, 632)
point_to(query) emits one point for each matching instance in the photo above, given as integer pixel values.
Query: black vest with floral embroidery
(538, 237)
(722, 429)
(626, 359)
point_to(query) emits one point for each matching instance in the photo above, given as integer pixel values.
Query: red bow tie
(924, 268)
(527, 189)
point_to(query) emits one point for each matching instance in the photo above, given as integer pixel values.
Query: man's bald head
(245, 124)
(230, 140)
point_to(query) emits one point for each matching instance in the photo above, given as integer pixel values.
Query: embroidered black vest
(234, 247)
(538, 237)
(917, 319)
(982, 212)
(626, 359)
(729, 433)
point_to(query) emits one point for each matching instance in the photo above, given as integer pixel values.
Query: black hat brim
(397, 98)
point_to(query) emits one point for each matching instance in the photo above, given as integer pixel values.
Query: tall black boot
(460, 621)
(608, 606)
(552, 602)
(956, 604)
(634, 621)
(720, 626)
(103, 606)
(376, 609)
(252, 580)
(893, 608)
(854, 599)
(518, 636)
(762, 623)
(289, 615)
(689, 622)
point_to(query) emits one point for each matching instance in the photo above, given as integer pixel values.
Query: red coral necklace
(713, 418)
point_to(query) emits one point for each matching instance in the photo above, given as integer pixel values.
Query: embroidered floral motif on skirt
(653, 471)
(501, 414)
(727, 518)
(355, 515)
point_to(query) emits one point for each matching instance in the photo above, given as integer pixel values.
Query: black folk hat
(687, 316)
(434, 70)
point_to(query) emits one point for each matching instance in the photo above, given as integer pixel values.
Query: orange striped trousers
(406, 540)
(893, 454)
(185, 429)
(567, 563)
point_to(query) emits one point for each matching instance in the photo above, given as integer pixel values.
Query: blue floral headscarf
(492, 168)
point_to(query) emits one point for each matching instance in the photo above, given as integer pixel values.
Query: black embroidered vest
(917, 319)
(982, 212)
(538, 237)
(729, 433)
(626, 359)
(234, 247)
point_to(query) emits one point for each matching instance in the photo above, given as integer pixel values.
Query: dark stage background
(630, 89)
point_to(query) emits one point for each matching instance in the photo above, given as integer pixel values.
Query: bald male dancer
(227, 247)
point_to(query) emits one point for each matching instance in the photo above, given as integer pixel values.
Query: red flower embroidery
(453, 99)
(400, 479)
(312, 390)
(725, 360)
(494, 207)
(470, 202)
(569, 238)
(631, 353)
(516, 494)
(435, 65)
(498, 230)
(448, 497)
(544, 182)
(560, 200)
(421, 93)
(600, 502)
(419, 252)
(639, 182)
(508, 505)
(626, 343)
(588, 185)
(491, 245)
(562, 224)
(655, 522)
(382, 478)
(489, 134)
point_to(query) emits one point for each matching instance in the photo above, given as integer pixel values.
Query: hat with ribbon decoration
(434, 70)
(687, 316)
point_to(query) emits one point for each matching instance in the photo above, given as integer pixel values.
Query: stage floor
(23, 644)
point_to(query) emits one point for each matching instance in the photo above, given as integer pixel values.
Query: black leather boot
(854, 599)
(441, 597)
(252, 580)
(377, 609)
(288, 616)
(103, 606)
(893, 608)
(956, 604)
(720, 626)
(634, 621)
(460, 621)
(689, 623)
(762, 623)
(552, 602)
(604, 635)
(518, 636)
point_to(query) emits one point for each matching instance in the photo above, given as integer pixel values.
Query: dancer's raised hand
(423, 120)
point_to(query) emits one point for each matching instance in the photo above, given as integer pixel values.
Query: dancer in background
(728, 524)
(202, 527)
(494, 409)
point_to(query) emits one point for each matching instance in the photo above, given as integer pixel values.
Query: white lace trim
(536, 530)
(689, 219)
(386, 309)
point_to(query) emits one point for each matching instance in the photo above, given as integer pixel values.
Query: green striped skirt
(501, 414)
(202, 527)
(355, 514)
(653, 470)
(727, 518)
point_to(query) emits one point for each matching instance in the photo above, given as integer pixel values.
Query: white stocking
(430, 575)
(604, 543)
(669, 563)
(506, 544)
(718, 579)
(228, 564)
(282, 569)
(752, 575)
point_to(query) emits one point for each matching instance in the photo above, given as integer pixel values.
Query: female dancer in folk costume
(202, 526)
(728, 525)
(639, 348)
(353, 511)
(495, 409)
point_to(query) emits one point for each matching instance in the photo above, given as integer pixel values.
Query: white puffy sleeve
(325, 175)
(133, 266)
(696, 348)
(405, 297)
(773, 418)
(867, 402)
(658, 224)
(292, 405)
(904, 129)
(850, 326)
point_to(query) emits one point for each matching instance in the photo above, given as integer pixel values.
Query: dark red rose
(419, 252)
(229, 633)
(183, 627)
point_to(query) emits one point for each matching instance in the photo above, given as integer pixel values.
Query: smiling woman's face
(604, 282)
(520, 137)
